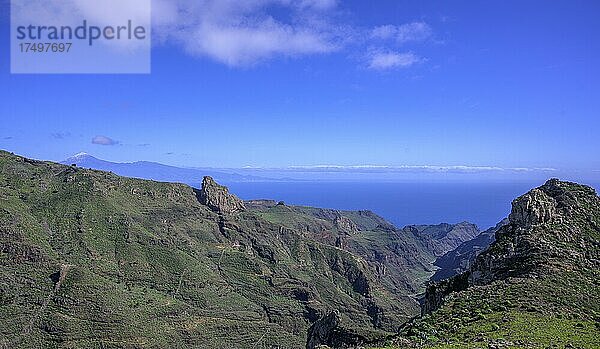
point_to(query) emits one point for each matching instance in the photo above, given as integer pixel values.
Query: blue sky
(282, 83)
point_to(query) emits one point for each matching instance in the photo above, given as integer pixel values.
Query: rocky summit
(536, 286)
(217, 197)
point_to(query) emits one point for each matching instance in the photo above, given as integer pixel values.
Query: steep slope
(398, 259)
(443, 238)
(460, 259)
(537, 286)
(92, 260)
(401, 258)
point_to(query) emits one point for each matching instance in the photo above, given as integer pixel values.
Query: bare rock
(218, 198)
(345, 225)
(533, 208)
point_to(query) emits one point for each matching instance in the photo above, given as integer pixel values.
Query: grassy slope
(401, 257)
(92, 260)
(555, 303)
(397, 257)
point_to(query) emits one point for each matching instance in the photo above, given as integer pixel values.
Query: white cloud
(243, 33)
(384, 31)
(103, 140)
(415, 31)
(412, 169)
(246, 45)
(391, 60)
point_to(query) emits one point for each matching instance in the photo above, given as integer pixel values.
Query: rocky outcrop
(548, 230)
(535, 207)
(436, 292)
(218, 198)
(328, 332)
(345, 225)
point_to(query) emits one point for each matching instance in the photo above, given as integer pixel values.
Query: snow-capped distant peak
(82, 159)
(80, 155)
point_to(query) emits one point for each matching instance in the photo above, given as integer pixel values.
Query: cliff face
(218, 198)
(551, 226)
(540, 274)
(547, 227)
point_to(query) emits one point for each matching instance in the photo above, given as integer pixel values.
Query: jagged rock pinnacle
(218, 198)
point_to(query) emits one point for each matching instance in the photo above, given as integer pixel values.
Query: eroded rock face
(535, 207)
(437, 291)
(443, 238)
(546, 232)
(218, 198)
(345, 225)
(329, 332)
(321, 331)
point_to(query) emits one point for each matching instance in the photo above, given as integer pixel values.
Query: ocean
(484, 204)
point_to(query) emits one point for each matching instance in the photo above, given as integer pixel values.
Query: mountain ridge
(157, 171)
(91, 259)
(536, 286)
(462, 257)
(87, 250)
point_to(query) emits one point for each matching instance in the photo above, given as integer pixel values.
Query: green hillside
(538, 286)
(93, 260)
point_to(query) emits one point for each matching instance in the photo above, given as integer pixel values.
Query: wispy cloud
(408, 169)
(415, 31)
(60, 135)
(387, 39)
(390, 60)
(103, 140)
(242, 34)
(245, 33)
